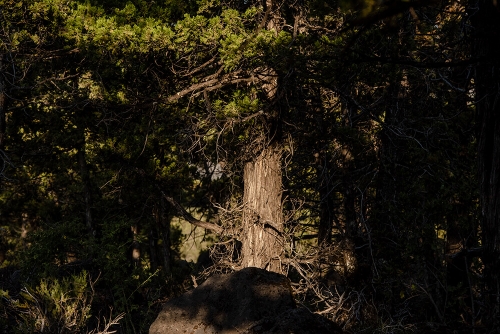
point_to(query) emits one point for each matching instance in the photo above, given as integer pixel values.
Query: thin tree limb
(189, 218)
(210, 85)
(183, 213)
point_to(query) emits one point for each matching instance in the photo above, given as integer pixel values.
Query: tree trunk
(3, 110)
(487, 39)
(84, 173)
(163, 225)
(3, 118)
(326, 205)
(262, 242)
(136, 249)
(153, 245)
(384, 223)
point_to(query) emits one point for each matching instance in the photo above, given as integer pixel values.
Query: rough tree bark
(262, 240)
(262, 245)
(486, 21)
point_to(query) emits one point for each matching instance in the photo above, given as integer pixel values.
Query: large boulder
(248, 301)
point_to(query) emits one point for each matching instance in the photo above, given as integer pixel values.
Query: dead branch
(210, 85)
(182, 212)
(189, 218)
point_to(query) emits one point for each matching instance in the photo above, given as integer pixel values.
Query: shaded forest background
(353, 146)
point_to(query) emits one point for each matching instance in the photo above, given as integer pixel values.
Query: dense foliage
(120, 119)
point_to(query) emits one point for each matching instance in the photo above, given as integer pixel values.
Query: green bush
(53, 306)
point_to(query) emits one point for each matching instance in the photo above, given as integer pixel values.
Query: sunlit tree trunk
(263, 217)
(487, 39)
(262, 244)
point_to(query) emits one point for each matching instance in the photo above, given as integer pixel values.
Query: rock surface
(251, 301)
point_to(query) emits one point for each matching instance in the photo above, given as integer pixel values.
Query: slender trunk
(163, 226)
(351, 226)
(262, 244)
(153, 244)
(384, 222)
(325, 187)
(326, 201)
(3, 102)
(461, 227)
(3, 118)
(487, 39)
(2, 133)
(84, 173)
(136, 250)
